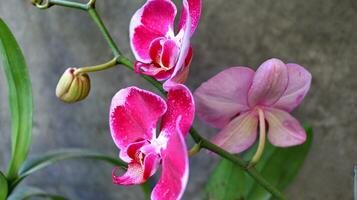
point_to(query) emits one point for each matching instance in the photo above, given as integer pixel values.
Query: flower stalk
(204, 143)
(96, 68)
(195, 149)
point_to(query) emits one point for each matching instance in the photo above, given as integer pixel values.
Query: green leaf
(226, 182)
(20, 98)
(3, 187)
(37, 163)
(29, 192)
(278, 165)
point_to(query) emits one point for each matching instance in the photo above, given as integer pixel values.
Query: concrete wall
(318, 34)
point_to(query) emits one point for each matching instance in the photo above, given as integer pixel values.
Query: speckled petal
(134, 114)
(175, 168)
(195, 13)
(180, 104)
(154, 19)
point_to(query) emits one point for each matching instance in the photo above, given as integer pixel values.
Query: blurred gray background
(318, 34)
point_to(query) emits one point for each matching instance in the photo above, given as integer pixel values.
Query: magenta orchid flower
(134, 114)
(238, 99)
(158, 50)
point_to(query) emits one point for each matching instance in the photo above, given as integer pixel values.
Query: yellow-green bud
(73, 87)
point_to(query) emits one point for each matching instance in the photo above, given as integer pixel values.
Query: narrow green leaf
(20, 98)
(29, 192)
(278, 165)
(34, 164)
(3, 187)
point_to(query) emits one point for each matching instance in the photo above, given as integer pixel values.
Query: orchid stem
(128, 64)
(204, 143)
(96, 68)
(147, 188)
(70, 4)
(103, 29)
(195, 149)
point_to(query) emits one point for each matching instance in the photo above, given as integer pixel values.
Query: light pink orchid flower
(238, 99)
(134, 116)
(158, 50)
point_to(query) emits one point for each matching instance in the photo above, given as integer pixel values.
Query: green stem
(96, 68)
(146, 187)
(103, 29)
(195, 149)
(194, 134)
(69, 4)
(128, 64)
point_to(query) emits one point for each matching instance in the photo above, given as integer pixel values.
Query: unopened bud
(73, 87)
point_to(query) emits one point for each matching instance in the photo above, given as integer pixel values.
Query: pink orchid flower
(237, 99)
(134, 114)
(158, 51)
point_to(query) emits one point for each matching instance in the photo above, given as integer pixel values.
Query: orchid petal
(138, 173)
(147, 69)
(284, 129)
(184, 38)
(180, 104)
(133, 149)
(224, 96)
(269, 83)
(299, 85)
(195, 13)
(182, 75)
(175, 169)
(156, 49)
(163, 75)
(158, 73)
(161, 51)
(128, 154)
(239, 134)
(169, 53)
(154, 19)
(151, 164)
(134, 175)
(133, 115)
(140, 40)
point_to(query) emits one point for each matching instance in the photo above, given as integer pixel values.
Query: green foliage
(278, 165)
(26, 193)
(3, 187)
(20, 98)
(40, 162)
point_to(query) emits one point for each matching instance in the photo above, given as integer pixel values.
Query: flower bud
(73, 87)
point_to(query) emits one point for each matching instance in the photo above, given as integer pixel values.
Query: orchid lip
(164, 67)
